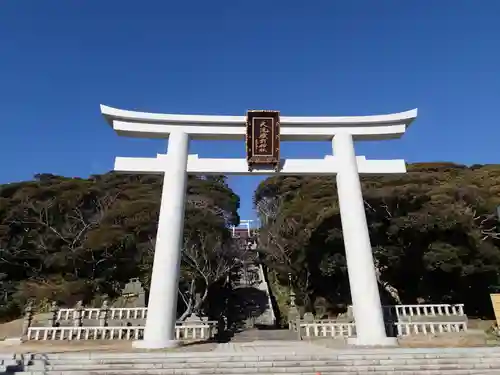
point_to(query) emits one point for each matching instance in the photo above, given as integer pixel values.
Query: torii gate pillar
(367, 308)
(162, 303)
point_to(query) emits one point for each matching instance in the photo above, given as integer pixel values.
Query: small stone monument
(308, 317)
(104, 314)
(320, 308)
(293, 311)
(28, 318)
(78, 315)
(53, 314)
(133, 295)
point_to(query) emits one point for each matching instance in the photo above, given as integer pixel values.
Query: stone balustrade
(324, 328)
(105, 323)
(345, 330)
(428, 328)
(114, 313)
(183, 331)
(410, 320)
(405, 312)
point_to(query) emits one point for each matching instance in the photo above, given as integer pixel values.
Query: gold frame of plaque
(263, 139)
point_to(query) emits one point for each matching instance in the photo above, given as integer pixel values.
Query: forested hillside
(434, 232)
(70, 239)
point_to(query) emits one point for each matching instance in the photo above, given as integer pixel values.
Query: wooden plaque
(263, 139)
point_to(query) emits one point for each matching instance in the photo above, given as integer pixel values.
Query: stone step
(268, 352)
(195, 362)
(265, 359)
(213, 361)
(475, 365)
(311, 371)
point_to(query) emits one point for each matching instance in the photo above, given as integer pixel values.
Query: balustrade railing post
(28, 319)
(54, 309)
(78, 315)
(297, 324)
(104, 314)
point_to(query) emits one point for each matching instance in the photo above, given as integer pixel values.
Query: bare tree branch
(209, 260)
(72, 230)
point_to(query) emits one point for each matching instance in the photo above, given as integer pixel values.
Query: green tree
(433, 230)
(71, 238)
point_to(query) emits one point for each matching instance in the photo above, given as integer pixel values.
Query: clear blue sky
(60, 59)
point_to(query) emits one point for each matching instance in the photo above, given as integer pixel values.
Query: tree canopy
(70, 239)
(434, 233)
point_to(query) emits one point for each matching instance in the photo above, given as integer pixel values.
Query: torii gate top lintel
(159, 125)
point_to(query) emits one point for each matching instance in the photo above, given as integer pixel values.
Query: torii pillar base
(386, 341)
(163, 344)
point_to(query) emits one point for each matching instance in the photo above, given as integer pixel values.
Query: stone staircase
(265, 359)
(252, 276)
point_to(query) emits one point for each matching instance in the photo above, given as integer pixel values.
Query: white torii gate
(177, 164)
(244, 224)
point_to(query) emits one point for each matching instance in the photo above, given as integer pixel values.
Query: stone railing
(324, 328)
(105, 323)
(185, 332)
(410, 320)
(114, 313)
(428, 328)
(292, 325)
(404, 312)
(345, 330)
